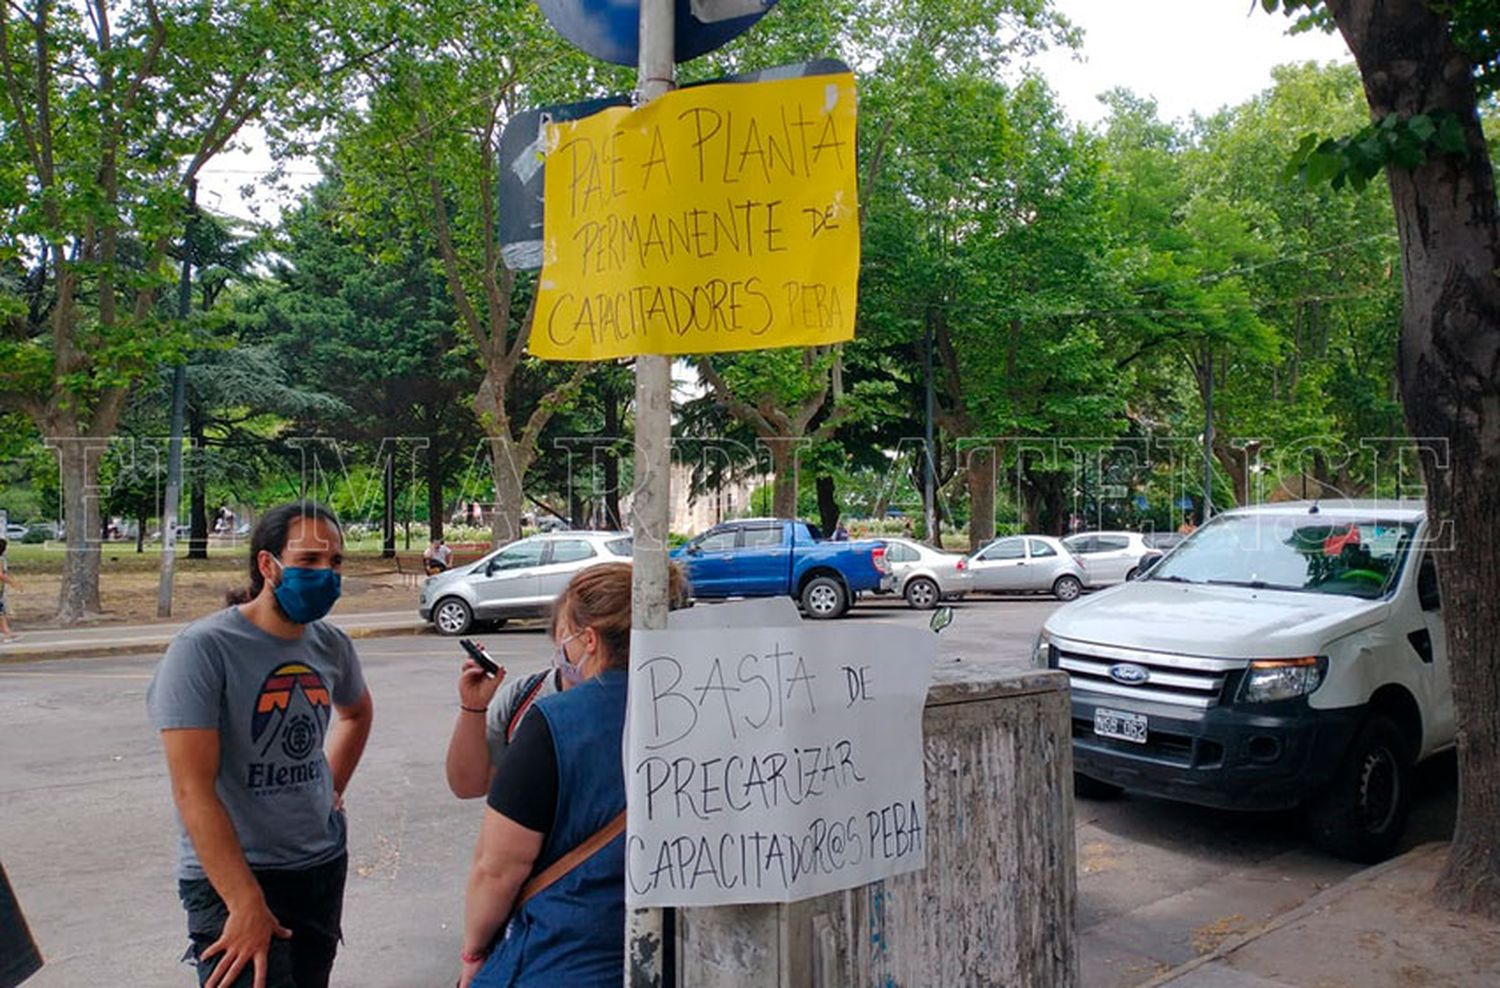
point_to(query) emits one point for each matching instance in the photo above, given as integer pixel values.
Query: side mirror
(1147, 562)
(941, 618)
(1428, 594)
(693, 550)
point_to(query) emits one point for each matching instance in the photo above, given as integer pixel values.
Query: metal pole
(388, 519)
(174, 442)
(929, 499)
(646, 937)
(1208, 440)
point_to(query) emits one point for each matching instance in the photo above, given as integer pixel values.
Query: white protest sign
(769, 764)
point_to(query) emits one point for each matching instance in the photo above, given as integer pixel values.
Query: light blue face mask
(305, 594)
(572, 673)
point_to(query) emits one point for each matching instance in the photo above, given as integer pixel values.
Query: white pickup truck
(1283, 655)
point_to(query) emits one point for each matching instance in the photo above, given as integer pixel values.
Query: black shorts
(307, 901)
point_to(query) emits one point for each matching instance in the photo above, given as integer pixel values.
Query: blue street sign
(610, 29)
(520, 187)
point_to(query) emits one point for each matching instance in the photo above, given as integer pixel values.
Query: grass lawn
(128, 581)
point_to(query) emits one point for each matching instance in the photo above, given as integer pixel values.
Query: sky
(1190, 55)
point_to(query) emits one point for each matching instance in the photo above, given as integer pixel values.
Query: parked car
(1163, 542)
(775, 557)
(1283, 656)
(1028, 564)
(924, 575)
(1109, 557)
(15, 532)
(520, 579)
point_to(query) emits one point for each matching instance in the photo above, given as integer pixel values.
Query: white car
(1028, 564)
(1287, 655)
(521, 579)
(1109, 557)
(925, 575)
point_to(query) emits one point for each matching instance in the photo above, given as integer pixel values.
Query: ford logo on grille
(1129, 673)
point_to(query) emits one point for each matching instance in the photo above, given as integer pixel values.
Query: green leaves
(1394, 141)
(1471, 23)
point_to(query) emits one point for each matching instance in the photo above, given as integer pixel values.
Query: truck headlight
(1270, 680)
(1041, 651)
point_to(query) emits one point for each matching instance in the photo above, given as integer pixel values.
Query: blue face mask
(304, 594)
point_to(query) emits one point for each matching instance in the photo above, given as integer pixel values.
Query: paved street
(87, 837)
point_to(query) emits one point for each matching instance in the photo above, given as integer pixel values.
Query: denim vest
(573, 932)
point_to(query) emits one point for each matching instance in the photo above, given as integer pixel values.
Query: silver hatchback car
(925, 575)
(1027, 563)
(1109, 557)
(521, 579)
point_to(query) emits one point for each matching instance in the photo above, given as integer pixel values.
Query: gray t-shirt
(500, 716)
(271, 700)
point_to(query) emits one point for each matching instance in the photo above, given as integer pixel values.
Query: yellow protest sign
(716, 218)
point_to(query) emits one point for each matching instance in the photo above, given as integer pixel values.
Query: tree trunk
(508, 467)
(1449, 226)
(78, 468)
(578, 512)
(1236, 463)
(1045, 504)
(828, 505)
(981, 496)
(388, 507)
(198, 492)
(784, 466)
(435, 503)
(140, 534)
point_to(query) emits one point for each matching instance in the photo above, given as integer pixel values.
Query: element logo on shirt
(299, 726)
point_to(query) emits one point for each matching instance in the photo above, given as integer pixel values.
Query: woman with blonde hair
(546, 893)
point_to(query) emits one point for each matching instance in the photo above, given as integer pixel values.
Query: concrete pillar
(995, 904)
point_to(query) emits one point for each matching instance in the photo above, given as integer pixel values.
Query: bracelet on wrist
(472, 956)
(472, 710)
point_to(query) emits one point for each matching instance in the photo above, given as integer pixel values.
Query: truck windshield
(1351, 557)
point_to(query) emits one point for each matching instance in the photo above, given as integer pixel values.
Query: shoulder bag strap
(525, 704)
(557, 869)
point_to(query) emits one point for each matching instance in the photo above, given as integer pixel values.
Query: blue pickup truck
(770, 557)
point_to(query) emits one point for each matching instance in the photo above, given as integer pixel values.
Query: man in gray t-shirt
(264, 714)
(271, 700)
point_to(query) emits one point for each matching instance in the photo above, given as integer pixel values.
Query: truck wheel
(824, 598)
(1094, 789)
(1362, 814)
(922, 594)
(1067, 588)
(452, 616)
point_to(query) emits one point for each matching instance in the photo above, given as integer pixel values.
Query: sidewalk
(104, 638)
(1377, 929)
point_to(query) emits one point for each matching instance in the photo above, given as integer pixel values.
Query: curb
(1317, 903)
(41, 653)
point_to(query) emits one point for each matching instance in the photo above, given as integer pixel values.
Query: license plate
(1120, 725)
